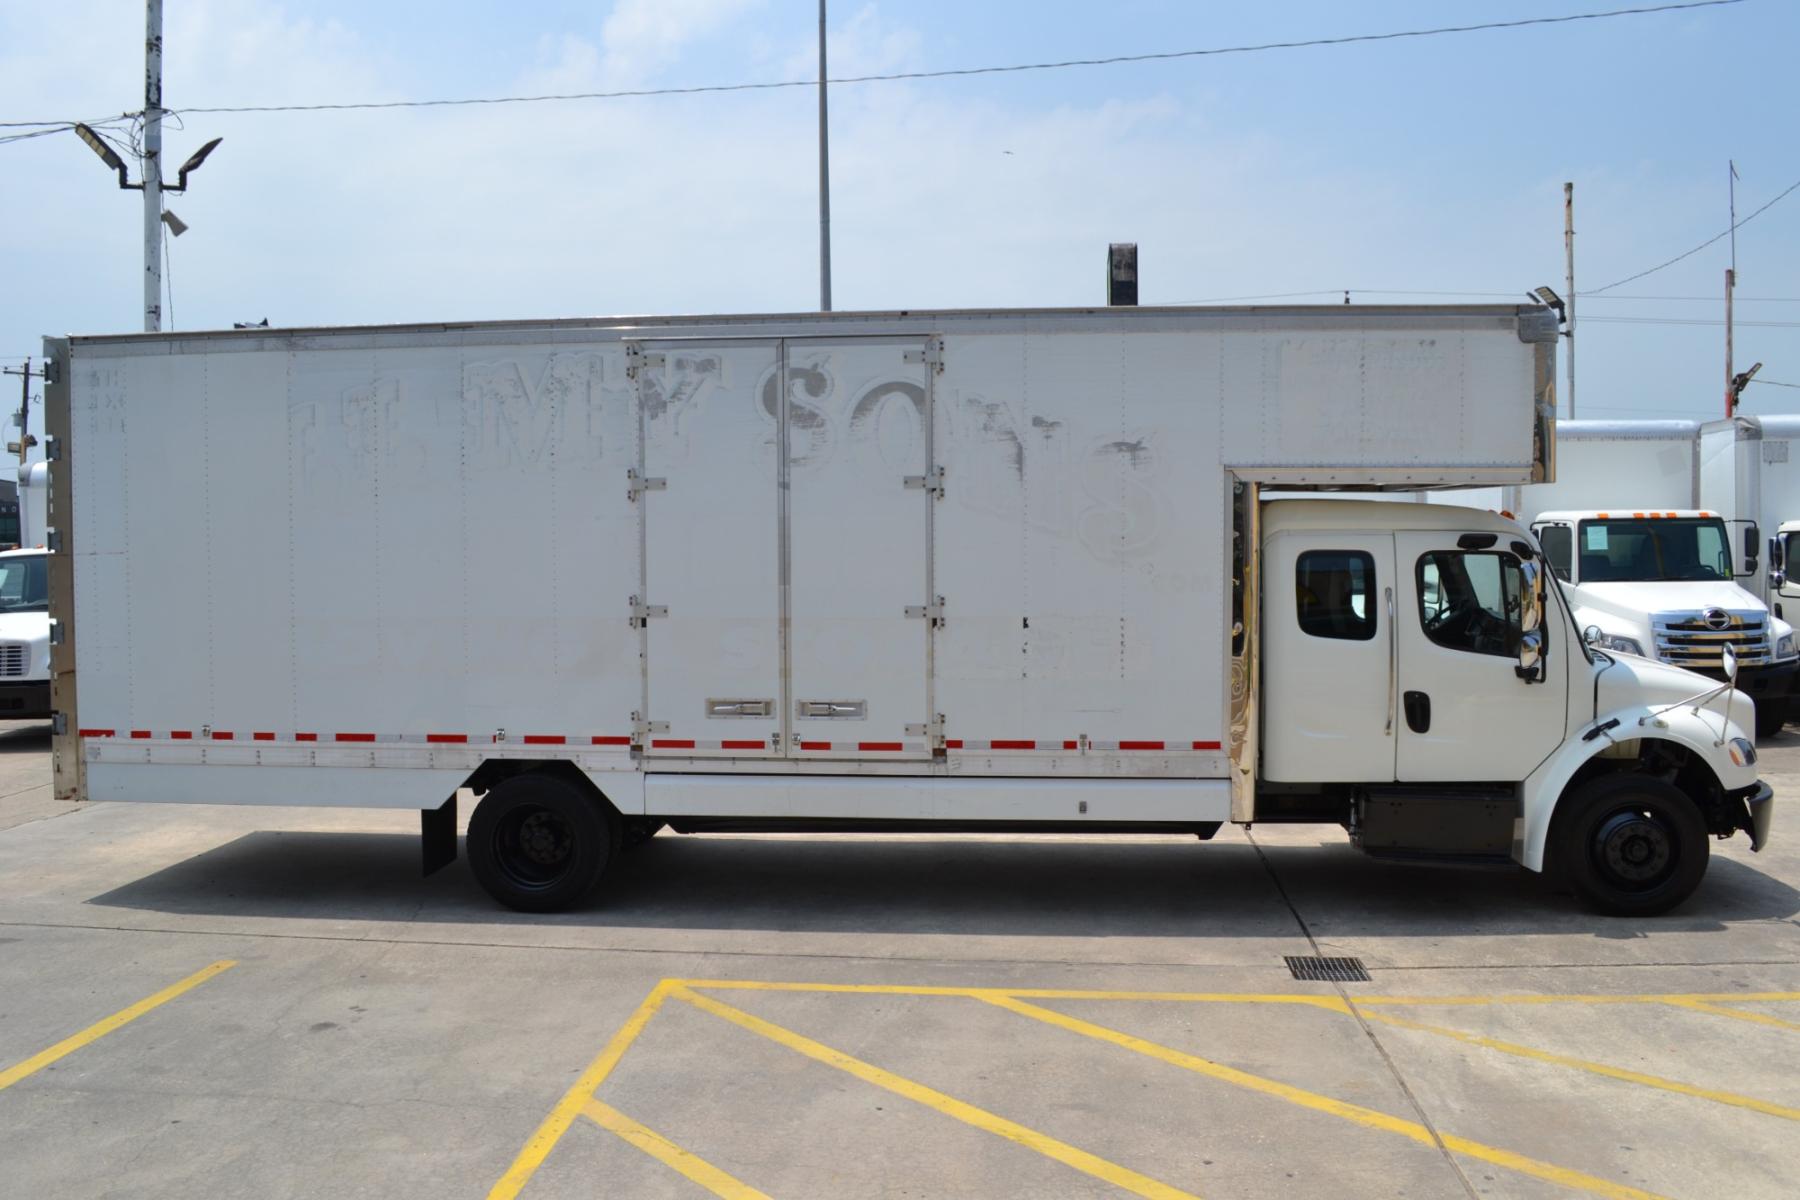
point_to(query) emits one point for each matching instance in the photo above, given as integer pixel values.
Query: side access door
(1466, 712)
(857, 560)
(1328, 637)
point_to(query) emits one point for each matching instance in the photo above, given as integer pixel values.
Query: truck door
(1328, 657)
(710, 602)
(1465, 714)
(859, 626)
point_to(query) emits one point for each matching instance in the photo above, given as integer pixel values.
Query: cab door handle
(1418, 711)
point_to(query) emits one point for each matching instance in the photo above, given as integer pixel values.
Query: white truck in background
(34, 505)
(25, 606)
(921, 571)
(1749, 472)
(1652, 572)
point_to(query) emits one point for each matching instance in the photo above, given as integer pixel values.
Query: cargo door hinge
(53, 540)
(932, 730)
(932, 481)
(933, 612)
(931, 354)
(642, 729)
(641, 612)
(636, 361)
(636, 485)
(53, 448)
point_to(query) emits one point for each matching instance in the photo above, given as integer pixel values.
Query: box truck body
(1750, 475)
(949, 570)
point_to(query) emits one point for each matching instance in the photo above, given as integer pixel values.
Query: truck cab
(1423, 683)
(1663, 585)
(24, 635)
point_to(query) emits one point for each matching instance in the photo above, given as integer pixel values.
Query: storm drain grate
(1327, 970)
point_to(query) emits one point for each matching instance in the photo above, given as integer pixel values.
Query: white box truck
(1750, 475)
(1652, 569)
(928, 571)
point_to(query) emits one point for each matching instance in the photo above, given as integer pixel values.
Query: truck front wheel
(1631, 845)
(1771, 717)
(538, 843)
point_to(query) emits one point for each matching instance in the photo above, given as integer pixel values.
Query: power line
(1703, 245)
(1776, 383)
(960, 72)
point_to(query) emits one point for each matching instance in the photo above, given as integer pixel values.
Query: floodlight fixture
(107, 154)
(1549, 297)
(176, 225)
(192, 164)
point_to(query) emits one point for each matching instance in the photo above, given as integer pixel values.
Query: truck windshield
(1616, 549)
(24, 584)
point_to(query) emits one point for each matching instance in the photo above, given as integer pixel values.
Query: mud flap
(437, 835)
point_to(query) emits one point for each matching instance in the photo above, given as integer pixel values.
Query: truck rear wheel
(1631, 845)
(539, 844)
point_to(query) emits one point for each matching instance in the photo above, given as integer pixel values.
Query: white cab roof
(1332, 513)
(1587, 514)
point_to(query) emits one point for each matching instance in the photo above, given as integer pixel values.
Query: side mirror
(1728, 660)
(1752, 546)
(1777, 560)
(1591, 634)
(1531, 621)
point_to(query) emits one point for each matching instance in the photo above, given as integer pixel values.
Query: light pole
(152, 184)
(824, 178)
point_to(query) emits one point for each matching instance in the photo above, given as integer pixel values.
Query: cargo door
(709, 606)
(860, 493)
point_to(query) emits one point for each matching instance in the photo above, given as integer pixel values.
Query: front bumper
(26, 700)
(1768, 684)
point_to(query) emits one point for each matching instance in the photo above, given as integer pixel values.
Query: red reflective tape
(815, 745)
(1070, 746)
(673, 743)
(1013, 745)
(447, 739)
(182, 735)
(880, 746)
(743, 745)
(94, 732)
(953, 743)
(140, 733)
(544, 739)
(1140, 745)
(611, 741)
(353, 737)
(1206, 746)
(263, 737)
(220, 735)
(306, 737)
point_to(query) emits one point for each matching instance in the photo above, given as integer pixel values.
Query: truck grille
(1695, 639)
(14, 658)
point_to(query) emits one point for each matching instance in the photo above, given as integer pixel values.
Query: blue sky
(1416, 166)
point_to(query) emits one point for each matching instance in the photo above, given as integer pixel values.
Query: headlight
(1623, 645)
(1743, 752)
(1784, 647)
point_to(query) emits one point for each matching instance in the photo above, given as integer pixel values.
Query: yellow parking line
(1325, 1104)
(1595, 1068)
(1601, 998)
(669, 1154)
(100, 1029)
(883, 989)
(1062, 1152)
(575, 1100)
(1736, 1014)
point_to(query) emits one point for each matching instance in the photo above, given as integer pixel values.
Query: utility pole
(152, 169)
(26, 375)
(824, 177)
(1731, 389)
(1569, 252)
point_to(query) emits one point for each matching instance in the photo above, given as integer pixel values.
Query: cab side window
(1471, 601)
(1558, 542)
(1335, 594)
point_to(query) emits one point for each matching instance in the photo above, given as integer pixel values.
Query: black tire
(539, 844)
(1771, 717)
(1630, 845)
